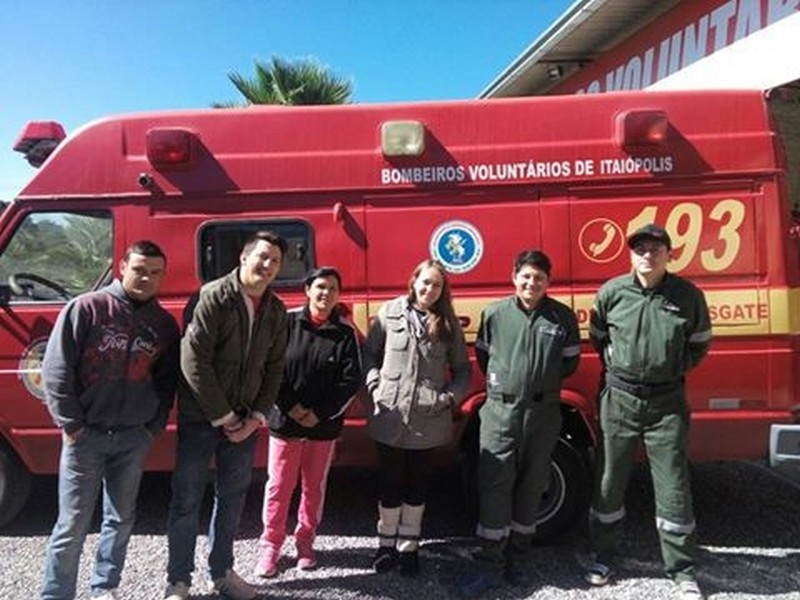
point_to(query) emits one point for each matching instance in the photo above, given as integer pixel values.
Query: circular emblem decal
(30, 368)
(457, 245)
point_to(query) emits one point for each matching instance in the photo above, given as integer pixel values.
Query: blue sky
(74, 61)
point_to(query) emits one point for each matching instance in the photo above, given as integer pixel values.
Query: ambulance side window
(221, 243)
(54, 256)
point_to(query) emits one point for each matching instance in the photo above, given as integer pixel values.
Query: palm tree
(297, 82)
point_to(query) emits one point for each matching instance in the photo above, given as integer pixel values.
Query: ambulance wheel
(15, 485)
(468, 471)
(566, 498)
(564, 501)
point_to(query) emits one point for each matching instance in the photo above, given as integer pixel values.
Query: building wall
(688, 34)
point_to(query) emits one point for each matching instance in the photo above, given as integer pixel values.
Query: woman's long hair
(442, 319)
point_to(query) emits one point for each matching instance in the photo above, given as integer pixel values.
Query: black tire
(566, 499)
(564, 502)
(15, 485)
(468, 472)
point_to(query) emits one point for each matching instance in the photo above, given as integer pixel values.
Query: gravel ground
(747, 519)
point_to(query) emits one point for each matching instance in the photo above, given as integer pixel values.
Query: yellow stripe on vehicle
(734, 312)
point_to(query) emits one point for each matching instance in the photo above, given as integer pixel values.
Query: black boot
(515, 573)
(409, 563)
(516, 551)
(385, 559)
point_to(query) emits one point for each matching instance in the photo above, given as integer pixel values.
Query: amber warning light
(402, 138)
(637, 128)
(38, 140)
(170, 148)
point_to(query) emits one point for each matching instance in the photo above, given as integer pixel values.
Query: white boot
(410, 527)
(388, 523)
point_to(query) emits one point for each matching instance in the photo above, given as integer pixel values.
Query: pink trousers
(290, 460)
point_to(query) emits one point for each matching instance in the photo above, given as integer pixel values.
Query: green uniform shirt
(650, 335)
(526, 354)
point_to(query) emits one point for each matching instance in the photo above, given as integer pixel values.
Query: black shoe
(385, 559)
(409, 563)
(515, 575)
(477, 582)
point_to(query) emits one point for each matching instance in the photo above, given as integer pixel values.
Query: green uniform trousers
(516, 443)
(662, 423)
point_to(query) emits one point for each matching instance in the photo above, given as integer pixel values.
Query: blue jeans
(113, 460)
(197, 443)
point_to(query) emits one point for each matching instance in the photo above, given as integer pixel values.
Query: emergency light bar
(636, 128)
(402, 138)
(38, 140)
(170, 147)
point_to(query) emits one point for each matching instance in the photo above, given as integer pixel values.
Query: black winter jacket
(322, 372)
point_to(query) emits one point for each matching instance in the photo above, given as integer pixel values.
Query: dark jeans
(197, 443)
(404, 475)
(96, 459)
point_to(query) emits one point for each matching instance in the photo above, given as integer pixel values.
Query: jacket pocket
(432, 402)
(396, 336)
(497, 381)
(387, 390)
(227, 373)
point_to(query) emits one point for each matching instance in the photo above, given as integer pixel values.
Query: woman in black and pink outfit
(321, 375)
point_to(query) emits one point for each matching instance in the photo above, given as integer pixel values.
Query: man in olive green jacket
(232, 363)
(650, 328)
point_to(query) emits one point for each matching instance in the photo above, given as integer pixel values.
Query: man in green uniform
(527, 343)
(649, 327)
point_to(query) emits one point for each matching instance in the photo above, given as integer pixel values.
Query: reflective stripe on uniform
(607, 518)
(570, 351)
(492, 534)
(523, 529)
(700, 336)
(673, 527)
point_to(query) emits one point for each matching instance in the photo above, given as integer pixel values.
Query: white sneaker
(234, 587)
(689, 590)
(177, 591)
(106, 595)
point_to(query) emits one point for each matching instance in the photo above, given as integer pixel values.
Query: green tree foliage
(291, 83)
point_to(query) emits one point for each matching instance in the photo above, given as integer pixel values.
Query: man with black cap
(649, 328)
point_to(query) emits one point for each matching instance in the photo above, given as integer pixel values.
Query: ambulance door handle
(351, 227)
(339, 212)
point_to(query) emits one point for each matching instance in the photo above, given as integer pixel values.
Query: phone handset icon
(597, 248)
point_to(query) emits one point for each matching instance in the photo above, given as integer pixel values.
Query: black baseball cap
(651, 231)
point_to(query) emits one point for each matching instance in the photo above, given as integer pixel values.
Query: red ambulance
(373, 189)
